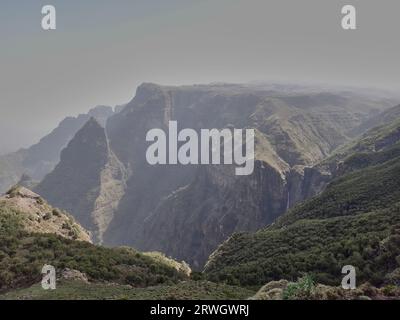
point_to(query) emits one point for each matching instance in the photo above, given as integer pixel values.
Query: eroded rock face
(187, 211)
(198, 217)
(112, 188)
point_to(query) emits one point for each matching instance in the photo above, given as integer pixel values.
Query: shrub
(300, 290)
(56, 212)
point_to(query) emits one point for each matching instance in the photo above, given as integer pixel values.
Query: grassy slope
(72, 290)
(356, 220)
(23, 254)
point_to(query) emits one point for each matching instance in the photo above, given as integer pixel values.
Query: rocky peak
(89, 181)
(75, 182)
(147, 90)
(21, 192)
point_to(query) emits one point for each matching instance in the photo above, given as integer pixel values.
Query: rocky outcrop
(73, 275)
(37, 216)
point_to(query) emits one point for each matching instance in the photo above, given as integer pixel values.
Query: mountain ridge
(294, 132)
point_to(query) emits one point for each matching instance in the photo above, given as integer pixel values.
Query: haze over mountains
(324, 193)
(40, 159)
(103, 178)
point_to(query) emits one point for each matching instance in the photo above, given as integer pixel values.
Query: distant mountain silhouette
(41, 158)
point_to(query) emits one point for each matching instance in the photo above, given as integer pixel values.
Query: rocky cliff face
(198, 217)
(185, 211)
(113, 178)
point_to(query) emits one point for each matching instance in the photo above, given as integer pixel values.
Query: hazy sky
(103, 49)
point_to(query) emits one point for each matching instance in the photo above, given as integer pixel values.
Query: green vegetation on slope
(187, 290)
(377, 139)
(355, 221)
(362, 190)
(23, 254)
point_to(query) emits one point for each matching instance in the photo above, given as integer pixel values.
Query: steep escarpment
(105, 181)
(186, 211)
(216, 204)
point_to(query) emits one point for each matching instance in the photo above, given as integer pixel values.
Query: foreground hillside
(355, 221)
(36, 215)
(78, 290)
(33, 234)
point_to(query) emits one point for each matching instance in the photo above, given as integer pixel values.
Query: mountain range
(104, 180)
(324, 194)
